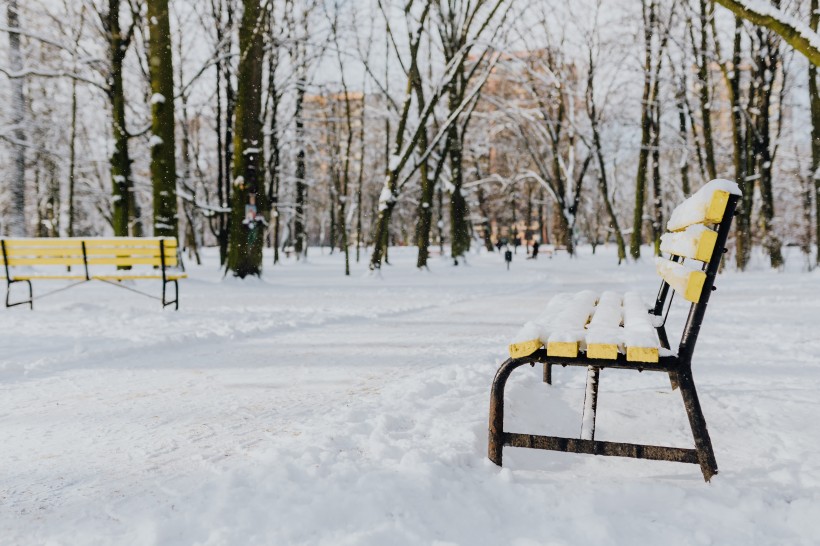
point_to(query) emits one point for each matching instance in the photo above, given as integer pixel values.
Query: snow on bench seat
(529, 338)
(602, 326)
(569, 328)
(603, 336)
(706, 206)
(640, 336)
(686, 282)
(696, 242)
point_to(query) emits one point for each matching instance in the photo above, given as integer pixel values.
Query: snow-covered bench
(611, 330)
(90, 259)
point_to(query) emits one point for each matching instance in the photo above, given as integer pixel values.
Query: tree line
(443, 124)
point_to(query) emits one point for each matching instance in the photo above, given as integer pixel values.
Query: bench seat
(601, 326)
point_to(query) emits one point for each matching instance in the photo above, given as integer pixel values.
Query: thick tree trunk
(122, 185)
(72, 161)
(767, 67)
(17, 111)
(657, 190)
(299, 235)
(814, 99)
(704, 82)
(646, 135)
(249, 201)
(163, 147)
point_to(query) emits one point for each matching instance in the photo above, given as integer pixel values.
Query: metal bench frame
(10, 280)
(679, 369)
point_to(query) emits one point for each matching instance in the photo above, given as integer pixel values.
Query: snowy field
(310, 408)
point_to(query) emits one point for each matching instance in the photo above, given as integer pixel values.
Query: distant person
(535, 246)
(499, 245)
(516, 243)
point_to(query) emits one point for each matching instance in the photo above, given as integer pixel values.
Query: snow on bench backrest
(686, 282)
(696, 242)
(706, 206)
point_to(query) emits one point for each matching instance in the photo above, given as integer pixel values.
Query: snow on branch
(799, 35)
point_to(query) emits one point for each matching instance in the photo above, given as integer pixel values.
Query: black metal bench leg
(29, 301)
(496, 437)
(706, 455)
(590, 403)
(548, 373)
(175, 301)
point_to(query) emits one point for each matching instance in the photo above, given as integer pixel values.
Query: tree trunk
(657, 190)
(122, 185)
(643, 158)
(249, 199)
(299, 236)
(17, 116)
(814, 98)
(705, 83)
(767, 66)
(72, 160)
(459, 225)
(163, 147)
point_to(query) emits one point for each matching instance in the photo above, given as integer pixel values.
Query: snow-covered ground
(310, 408)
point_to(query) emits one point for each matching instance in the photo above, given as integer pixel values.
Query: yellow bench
(614, 331)
(90, 259)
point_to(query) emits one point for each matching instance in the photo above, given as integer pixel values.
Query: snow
(310, 408)
(157, 98)
(542, 327)
(683, 243)
(767, 9)
(604, 327)
(571, 320)
(395, 160)
(674, 273)
(155, 141)
(385, 198)
(693, 210)
(639, 330)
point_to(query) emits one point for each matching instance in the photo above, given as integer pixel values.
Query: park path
(134, 422)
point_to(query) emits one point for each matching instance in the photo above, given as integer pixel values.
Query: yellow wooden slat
(602, 350)
(704, 245)
(111, 260)
(66, 277)
(687, 283)
(717, 207)
(563, 349)
(45, 261)
(70, 248)
(136, 277)
(42, 242)
(642, 354)
(141, 252)
(524, 348)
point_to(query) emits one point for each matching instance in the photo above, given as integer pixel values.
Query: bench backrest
(691, 238)
(116, 251)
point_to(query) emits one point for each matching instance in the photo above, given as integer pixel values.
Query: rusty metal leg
(706, 456)
(547, 373)
(673, 381)
(496, 436)
(590, 404)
